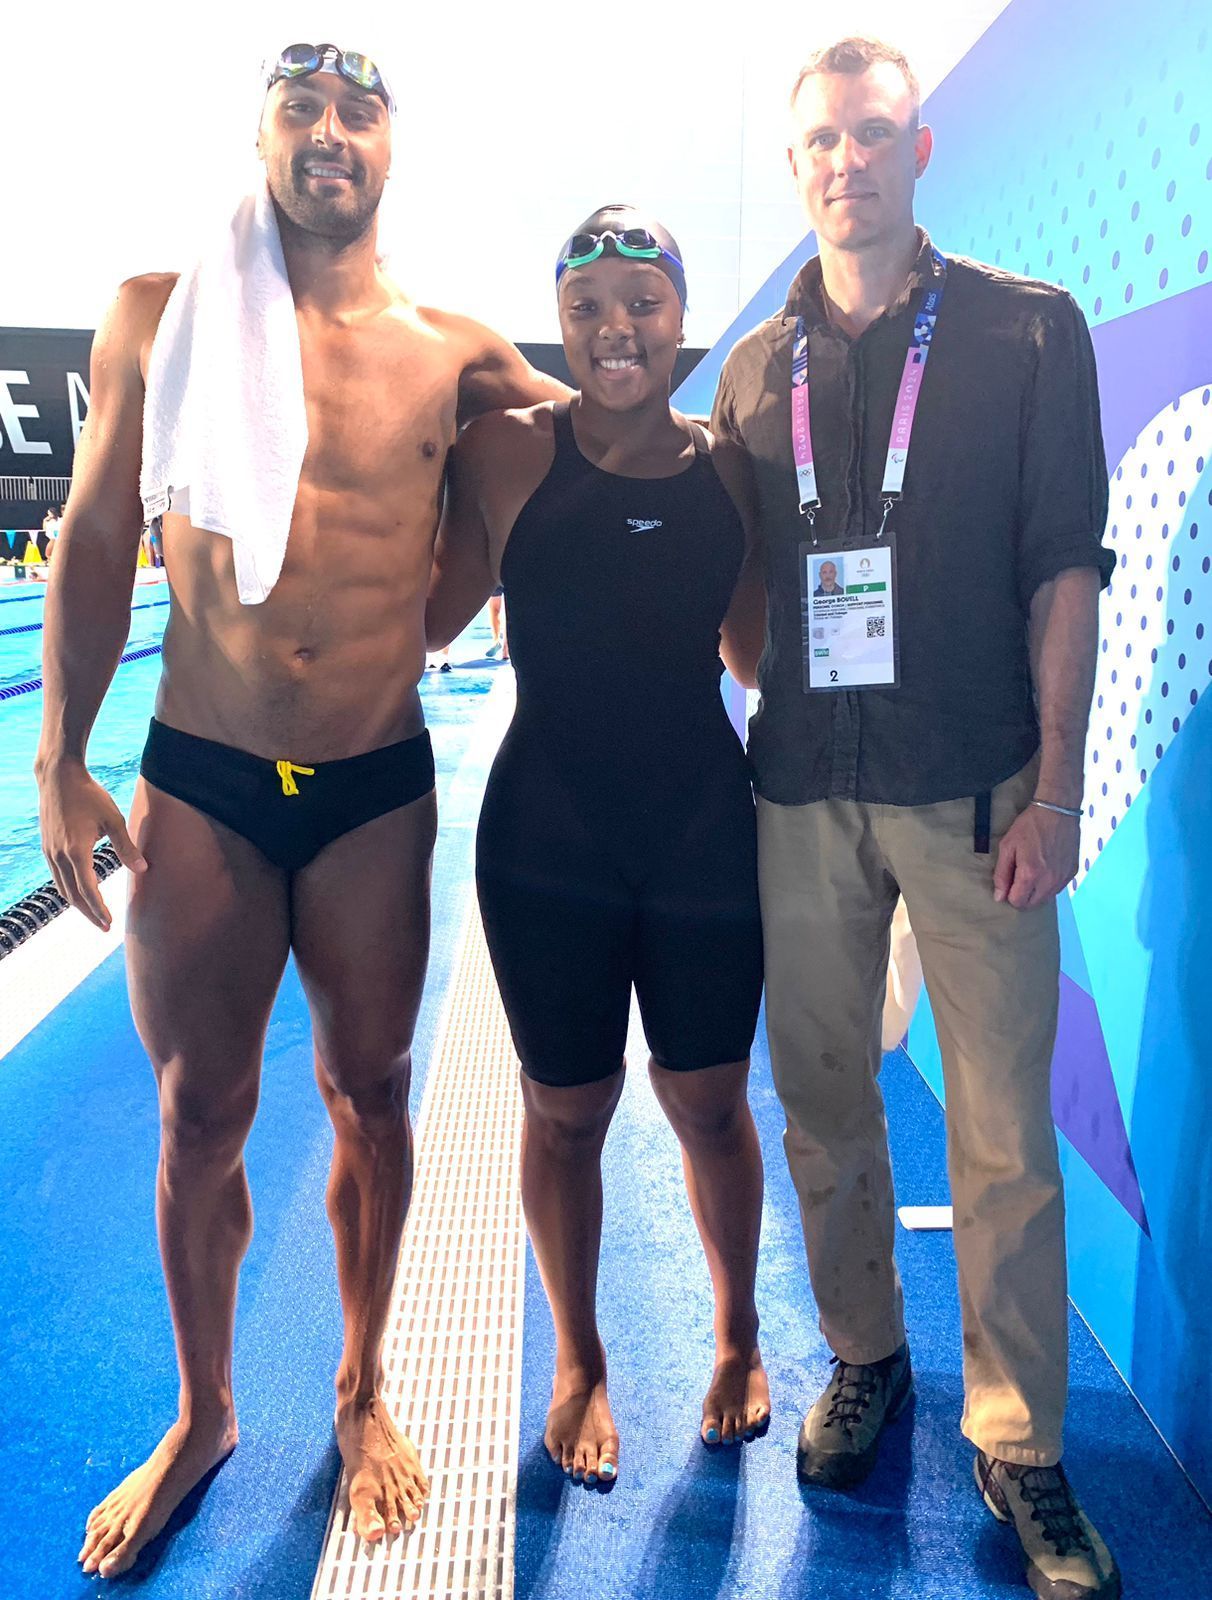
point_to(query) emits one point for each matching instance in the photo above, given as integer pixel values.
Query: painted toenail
(608, 1469)
(713, 1436)
(591, 1477)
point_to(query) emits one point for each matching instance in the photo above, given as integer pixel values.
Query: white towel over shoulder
(224, 423)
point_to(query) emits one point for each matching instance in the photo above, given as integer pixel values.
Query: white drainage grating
(453, 1351)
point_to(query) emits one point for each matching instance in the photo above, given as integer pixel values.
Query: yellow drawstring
(286, 770)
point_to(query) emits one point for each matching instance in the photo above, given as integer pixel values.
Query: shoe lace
(1054, 1507)
(845, 1408)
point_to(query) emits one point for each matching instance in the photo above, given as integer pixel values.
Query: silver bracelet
(1061, 811)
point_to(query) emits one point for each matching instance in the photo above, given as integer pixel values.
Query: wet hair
(855, 55)
(617, 218)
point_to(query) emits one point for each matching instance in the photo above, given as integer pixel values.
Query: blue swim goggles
(302, 60)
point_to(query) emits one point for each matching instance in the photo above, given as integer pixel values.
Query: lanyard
(902, 417)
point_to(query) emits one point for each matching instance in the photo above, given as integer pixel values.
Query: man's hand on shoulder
(1038, 856)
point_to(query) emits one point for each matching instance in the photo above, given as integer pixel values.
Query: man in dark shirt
(934, 752)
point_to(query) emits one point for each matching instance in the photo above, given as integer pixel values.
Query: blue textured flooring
(90, 1382)
(683, 1523)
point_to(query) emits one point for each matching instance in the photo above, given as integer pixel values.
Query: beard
(341, 216)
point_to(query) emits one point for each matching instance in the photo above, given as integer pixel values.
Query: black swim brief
(287, 810)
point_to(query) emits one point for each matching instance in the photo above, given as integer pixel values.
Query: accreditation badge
(848, 610)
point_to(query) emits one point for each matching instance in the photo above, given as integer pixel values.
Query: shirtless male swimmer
(323, 671)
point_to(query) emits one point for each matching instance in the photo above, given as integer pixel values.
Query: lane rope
(31, 684)
(36, 627)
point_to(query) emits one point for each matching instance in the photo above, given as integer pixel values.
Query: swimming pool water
(121, 728)
(113, 758)
(21, 630)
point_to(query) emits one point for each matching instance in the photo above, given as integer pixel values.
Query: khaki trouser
(830, 877)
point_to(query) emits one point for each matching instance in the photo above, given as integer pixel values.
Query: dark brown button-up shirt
(1006, 487)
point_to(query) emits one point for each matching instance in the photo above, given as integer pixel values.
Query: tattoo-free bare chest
(381, 405)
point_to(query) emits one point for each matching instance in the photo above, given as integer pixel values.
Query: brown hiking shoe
(840, 1437)
(1066, 1558)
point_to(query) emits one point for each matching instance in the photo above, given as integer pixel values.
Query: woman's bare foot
(387, 1484)
(737, 1406)
(580, 1435)
(136, 1511)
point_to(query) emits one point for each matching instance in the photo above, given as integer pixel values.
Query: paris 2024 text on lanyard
(849, 599)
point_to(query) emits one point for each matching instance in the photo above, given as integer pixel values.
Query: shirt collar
(806, 296)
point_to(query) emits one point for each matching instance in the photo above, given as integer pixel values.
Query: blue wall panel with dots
(1074, 144)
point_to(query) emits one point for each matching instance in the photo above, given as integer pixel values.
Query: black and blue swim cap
(622, 230)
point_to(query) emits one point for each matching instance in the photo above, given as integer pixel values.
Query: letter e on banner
(11, 415)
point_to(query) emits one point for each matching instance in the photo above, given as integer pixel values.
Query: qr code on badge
(875, 627)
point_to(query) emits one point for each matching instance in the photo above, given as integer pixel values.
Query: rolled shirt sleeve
(1063, 510)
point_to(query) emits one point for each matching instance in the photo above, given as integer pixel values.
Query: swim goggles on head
(637, 244)
(302, 60)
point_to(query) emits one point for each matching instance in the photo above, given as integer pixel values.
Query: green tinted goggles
(633, 244)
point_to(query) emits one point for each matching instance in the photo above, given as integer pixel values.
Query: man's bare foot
(138, 1508)
(387, 1484)
(580, 1435)
(737, 1406)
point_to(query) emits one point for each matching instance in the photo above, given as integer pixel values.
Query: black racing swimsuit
(617, 843)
